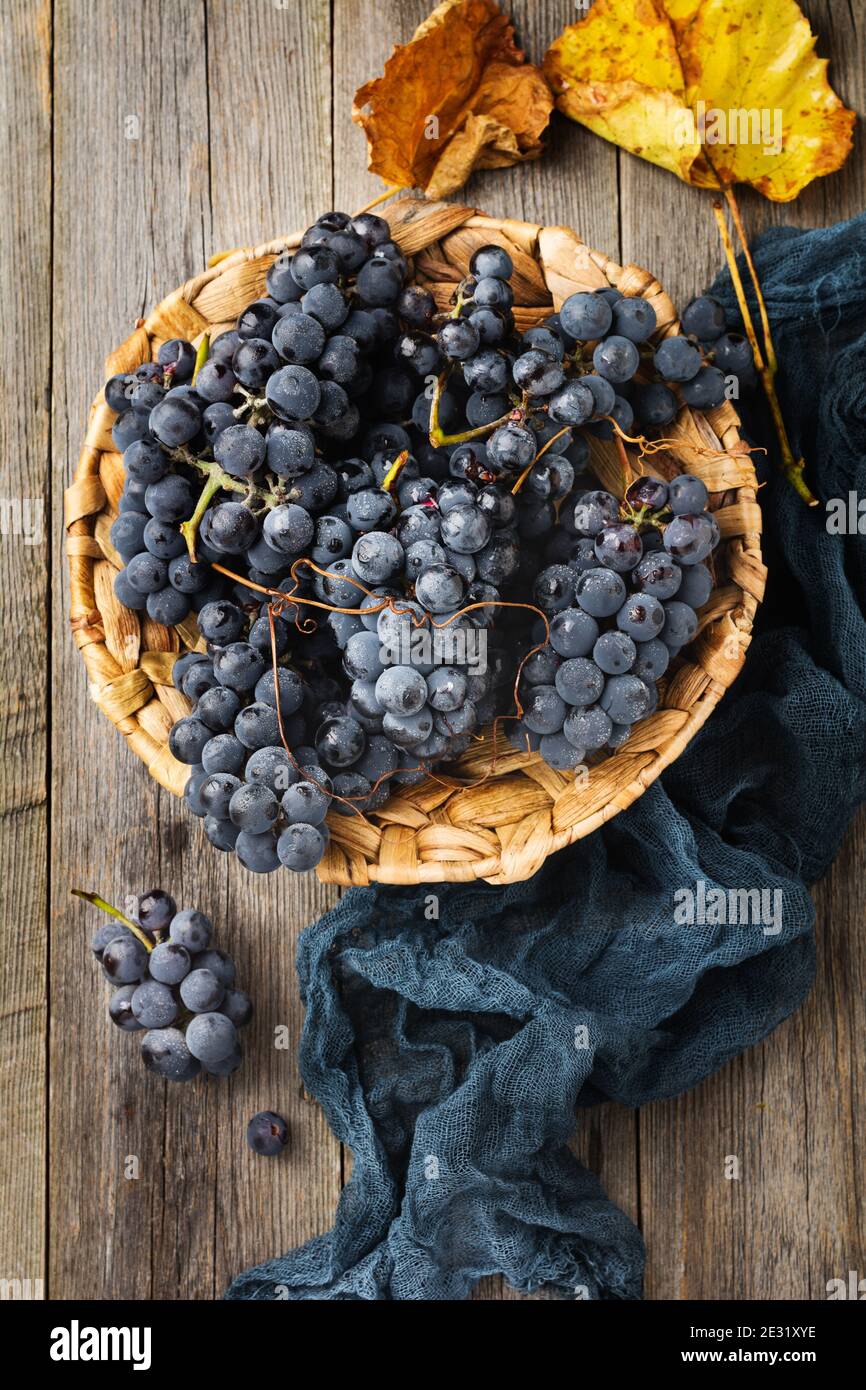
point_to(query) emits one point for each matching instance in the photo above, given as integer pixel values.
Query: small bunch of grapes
(725, 355)
(358, 452)
(619, 607)
(171, 985)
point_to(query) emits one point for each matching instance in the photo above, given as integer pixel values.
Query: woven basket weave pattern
(519, 810)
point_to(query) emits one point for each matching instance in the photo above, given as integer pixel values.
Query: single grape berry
(120, 1009)
(164, 1051)
(124, 959)
(267, 1133)
(704, 317)
(191, 930)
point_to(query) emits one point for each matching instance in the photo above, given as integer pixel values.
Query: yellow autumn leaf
(717, 91)
(459, 96)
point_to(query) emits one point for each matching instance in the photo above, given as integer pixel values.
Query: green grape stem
(438, 437)
(460, 302)
(96, 901)
(257, 406)
(217, 480)
(201, 356)
(189, 528)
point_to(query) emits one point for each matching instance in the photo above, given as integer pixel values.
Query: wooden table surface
(138, 139)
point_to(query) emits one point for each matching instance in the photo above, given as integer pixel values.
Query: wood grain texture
(131, 218)
(179, 128)
(779, 1108)
(25, 563)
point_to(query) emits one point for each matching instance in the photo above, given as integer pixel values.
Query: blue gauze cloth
(445, 1053)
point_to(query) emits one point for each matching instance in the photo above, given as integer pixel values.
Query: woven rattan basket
(503, 828)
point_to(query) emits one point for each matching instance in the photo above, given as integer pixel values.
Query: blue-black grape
(633, 318)
(585, 316)
(579, 681)
(695, 588)
(588, 729)
(687, 493)
(153, 1004)
(124, 959)
(200, 990)
(705, 390)
(704, 317)
(174, 422)
(625, 699)
(120, 1009)
(641, 617)
(300, 847)
(127, 534)
(491, 261)
(616, 358)
(676, 359)
(689, 538)
(615, 654)
(191, 929)
(164, 1051)
(267, 1134)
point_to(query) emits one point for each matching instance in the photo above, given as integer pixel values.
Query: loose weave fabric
(450, 1054)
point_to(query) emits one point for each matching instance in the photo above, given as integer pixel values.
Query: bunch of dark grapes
(724, 355)
(173, 986)
(432, 464)
(618, 609)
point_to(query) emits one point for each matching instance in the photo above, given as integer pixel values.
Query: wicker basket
(503, 828)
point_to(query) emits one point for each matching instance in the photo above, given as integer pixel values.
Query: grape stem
(769, 348)
(259, 410)
(391, 190)
(95, 900)
(189, 528)
(438, 437)
(395, 470)
(625, 465)
(765, 364)
(201, 356)
(529, 467)
(216, 480)
(459, 302)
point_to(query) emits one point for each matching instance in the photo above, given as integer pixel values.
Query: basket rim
(411, 839)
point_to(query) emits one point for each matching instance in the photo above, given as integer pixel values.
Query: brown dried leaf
(458, 97)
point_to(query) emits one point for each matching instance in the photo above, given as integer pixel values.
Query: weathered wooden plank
(269, 84)
(834, 1072)
(25, 561)
(751, 1185)
(131, 221)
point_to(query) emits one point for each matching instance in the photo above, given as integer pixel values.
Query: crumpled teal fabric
(450, 1055)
